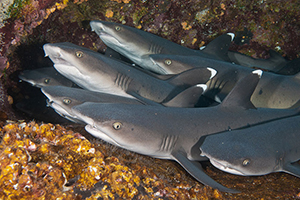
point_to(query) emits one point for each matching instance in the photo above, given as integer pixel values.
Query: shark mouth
(99, 134)
(225, 167)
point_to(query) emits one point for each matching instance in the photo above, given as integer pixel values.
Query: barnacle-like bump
(117, 125)
(79, 54)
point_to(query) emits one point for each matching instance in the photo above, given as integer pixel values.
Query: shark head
(62, 99)
(173, 64)
(44, 77)
(71, 60)
(233, 154)
(121, 126)
(88, 69)
(120, 37)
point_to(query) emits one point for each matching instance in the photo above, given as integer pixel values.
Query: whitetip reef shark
(173, 133)
(96, 72)
(258, 150)
(46, 76)
(137, 45)
(62, 99)
(272, 91)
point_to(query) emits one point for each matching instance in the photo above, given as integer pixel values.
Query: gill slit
(122, 81)
(155, 48)
(168, 143)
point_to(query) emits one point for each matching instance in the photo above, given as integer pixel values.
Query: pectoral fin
(292, 168)
(195, 169)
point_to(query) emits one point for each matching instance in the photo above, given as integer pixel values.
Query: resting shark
(137, 45)
(173, 133)
(258, 150)
(273, 90)
(44, 77)
(62, 99)
(96, 72)
(275, 63)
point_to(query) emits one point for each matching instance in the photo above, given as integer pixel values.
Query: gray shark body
(44, 77)
(273, 90)
(96, 72)
(173, 133)
(137, 45)
(275, 63)
(258, 150)
(62, 99)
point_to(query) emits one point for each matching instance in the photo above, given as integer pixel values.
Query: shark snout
(52, 51)
(97, 26)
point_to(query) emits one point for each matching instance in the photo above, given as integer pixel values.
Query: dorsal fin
(187, 98)
(193, 76)
(240, 95)
(219, 46)
(274, 55)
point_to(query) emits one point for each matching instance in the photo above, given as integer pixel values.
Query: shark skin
(275, 63)
(44, 77)
(258, 150)
(172, 133)
(62, 99)
(96, 72)
(273, 90)
(137, 45)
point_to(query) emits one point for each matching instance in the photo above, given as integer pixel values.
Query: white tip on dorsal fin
(203, 86)
(213, 72)
(232, 36)
(203, 47)
(258, 72)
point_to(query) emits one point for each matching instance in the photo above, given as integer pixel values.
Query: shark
(272, 91)
(258, 150)
(137, 45)
(44, 77)
(62, 99)
(96, 72)
(174, 133)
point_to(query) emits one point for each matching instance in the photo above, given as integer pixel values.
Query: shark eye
(246, 162)
(118, 28)
(168, 62)
(67, 101)
(117, 125)
(47, 80)
(79, 54)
